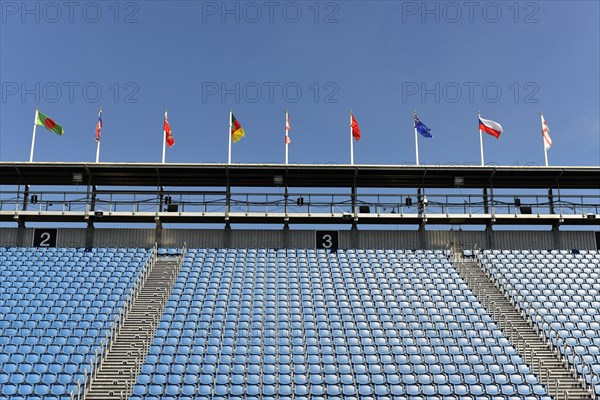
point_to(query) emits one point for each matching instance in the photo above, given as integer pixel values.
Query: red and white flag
(168, 133)
(490, 127)
(287, 128)
(546, 133)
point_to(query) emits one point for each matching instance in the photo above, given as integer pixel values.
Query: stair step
(128, 352)
(561, 379)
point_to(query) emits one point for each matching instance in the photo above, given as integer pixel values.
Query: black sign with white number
(44, 237)
(327, 240)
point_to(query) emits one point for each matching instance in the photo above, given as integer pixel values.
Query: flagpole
(33, 137)
(544, 140)
(351, 142)
(229, 138)
(98, 142)
(286, 136)
(164, 139)
(416, 136)
(480, 140)
(97, 150)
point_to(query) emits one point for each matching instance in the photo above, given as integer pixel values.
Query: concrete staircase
(117, 373)
(533, 347)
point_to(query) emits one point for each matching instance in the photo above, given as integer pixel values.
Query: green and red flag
(48, 123)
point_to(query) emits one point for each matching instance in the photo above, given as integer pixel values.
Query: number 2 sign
(44, 237)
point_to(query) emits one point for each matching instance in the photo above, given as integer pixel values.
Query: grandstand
(356, 308)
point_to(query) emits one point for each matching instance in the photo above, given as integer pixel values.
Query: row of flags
(236, 132)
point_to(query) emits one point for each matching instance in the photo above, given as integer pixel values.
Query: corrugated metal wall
(523, 240)
(209, 238)
(214, 238)
(123, 237)
(386, 239)
(8, 237)
(68, 237)
(578, 240)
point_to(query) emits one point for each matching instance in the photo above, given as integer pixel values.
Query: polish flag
(490, 127)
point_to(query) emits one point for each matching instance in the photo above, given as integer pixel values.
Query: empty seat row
(306, 322)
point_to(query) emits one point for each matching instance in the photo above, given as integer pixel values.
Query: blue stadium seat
(53, 285)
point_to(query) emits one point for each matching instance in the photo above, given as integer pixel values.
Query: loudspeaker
(517, 202)
(172, 208)
(525, 209)
(364, 210)
(408, 202)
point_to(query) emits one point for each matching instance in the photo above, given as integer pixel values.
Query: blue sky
(382, 59)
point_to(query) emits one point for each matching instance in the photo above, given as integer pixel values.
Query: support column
(285, 240)
(422, 235)
(489, 236)
(89, 233)
(422, 211)
(286, 226)
(486, 207)
(158, 233)
(227, 236)
(20, 221)
(227, 233)
(556, 236)
(551, 200)
(354, 237)
(354, 240)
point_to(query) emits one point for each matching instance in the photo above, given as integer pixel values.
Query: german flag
(237, 132)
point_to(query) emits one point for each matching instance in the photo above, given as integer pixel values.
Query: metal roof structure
(297, 175)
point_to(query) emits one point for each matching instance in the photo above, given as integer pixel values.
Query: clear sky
(382, 59)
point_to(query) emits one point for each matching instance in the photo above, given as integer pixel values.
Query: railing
(297, 202)
(139, 361)
(106, 344)
(565, 353)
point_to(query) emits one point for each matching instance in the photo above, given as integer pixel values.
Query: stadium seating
(56, 305)
(560, 292)
(267, 323)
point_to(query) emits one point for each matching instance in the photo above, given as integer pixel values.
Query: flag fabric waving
(355, 128)
(168, 133)
(237, 132)
(48, 123)
(490, 127)
(99, 126)
(546, 133)
(423, 129)
(287, 128)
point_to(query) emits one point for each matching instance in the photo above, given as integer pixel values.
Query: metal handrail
(98, 359)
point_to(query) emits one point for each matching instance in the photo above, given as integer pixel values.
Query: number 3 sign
(327, 240)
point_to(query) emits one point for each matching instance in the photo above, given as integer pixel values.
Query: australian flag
(423, 129)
